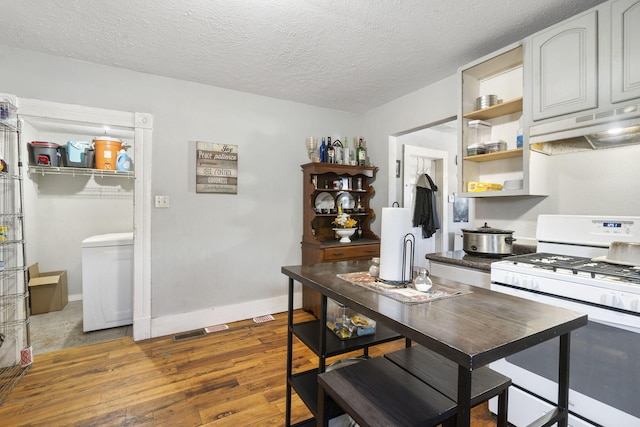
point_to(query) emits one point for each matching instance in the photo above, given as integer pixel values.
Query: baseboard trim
(75, 297)
(175, 323)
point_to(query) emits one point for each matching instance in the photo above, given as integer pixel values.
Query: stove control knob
(532, 284)
(612, 300)
(617, 302)
(514, 280)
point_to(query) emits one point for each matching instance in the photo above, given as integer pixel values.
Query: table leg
(463, 414)
(503, 406)
(563, 378)
(323, 334)
(321, 418)
(289, 355)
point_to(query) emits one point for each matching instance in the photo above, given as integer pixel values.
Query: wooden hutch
(327, 186)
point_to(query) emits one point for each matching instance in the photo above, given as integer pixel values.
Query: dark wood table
(471, 330)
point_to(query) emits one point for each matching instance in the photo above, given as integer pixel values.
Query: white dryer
(107, 281)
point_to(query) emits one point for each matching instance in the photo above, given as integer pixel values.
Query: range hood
(608, 129)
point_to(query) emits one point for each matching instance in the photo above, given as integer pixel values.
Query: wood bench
(379, 393)
(442, 374)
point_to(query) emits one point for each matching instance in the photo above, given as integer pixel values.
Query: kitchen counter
(455, 327)
(463, 259)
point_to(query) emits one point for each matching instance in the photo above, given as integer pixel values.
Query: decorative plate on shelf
(324, 200)
(346, 200)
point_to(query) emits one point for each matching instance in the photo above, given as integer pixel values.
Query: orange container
(106, 152)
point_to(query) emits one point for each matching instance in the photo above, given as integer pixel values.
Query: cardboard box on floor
(47, 290)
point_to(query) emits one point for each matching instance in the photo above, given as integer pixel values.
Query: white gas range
(605, 355)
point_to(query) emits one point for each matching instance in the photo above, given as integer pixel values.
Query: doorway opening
(430, 149)
(63, 206)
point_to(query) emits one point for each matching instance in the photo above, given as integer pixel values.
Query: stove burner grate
(578, 265)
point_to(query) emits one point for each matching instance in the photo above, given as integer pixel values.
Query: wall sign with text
(216, 168)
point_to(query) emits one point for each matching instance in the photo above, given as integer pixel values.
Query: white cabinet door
(565, 67)
(625, 54)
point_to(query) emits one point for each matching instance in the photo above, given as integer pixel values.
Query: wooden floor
(230, 378)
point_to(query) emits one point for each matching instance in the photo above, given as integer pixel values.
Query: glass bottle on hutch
(323, 152)
(331, 154)
(346, 153)
(338, 152)
(361, 153)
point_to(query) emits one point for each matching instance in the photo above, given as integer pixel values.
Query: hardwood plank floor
(233, 378)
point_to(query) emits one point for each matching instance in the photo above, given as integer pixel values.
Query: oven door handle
(616, 319)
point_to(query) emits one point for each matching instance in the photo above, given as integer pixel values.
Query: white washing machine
(107, 281)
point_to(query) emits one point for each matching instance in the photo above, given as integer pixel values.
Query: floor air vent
(189, 335)
(262, 319)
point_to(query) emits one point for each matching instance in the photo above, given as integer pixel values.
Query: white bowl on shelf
(513, 184)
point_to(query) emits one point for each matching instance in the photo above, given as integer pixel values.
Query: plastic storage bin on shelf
(346, 323)
(43, 153)
(8, 114)
(479, 132)
(80, 154)
(495, 146)
(475, 149)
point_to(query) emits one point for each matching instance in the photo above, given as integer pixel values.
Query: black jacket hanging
(426, 211)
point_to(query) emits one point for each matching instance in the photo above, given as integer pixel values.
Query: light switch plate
(162, 201)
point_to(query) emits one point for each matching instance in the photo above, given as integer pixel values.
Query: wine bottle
(323, 150)
(361, 153)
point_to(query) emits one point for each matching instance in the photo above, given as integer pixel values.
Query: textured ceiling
(350, 55)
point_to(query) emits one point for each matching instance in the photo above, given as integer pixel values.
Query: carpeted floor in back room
(63, 329)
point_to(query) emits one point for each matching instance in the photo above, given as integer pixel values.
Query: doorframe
(441, 160)
(142, 227)
(142, 126)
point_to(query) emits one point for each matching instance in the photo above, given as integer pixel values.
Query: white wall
(215, 256)
(600, 182)
(431, 104)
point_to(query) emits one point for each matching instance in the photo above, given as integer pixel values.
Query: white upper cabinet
(565, 67)
(589, 63)
(625, 50)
